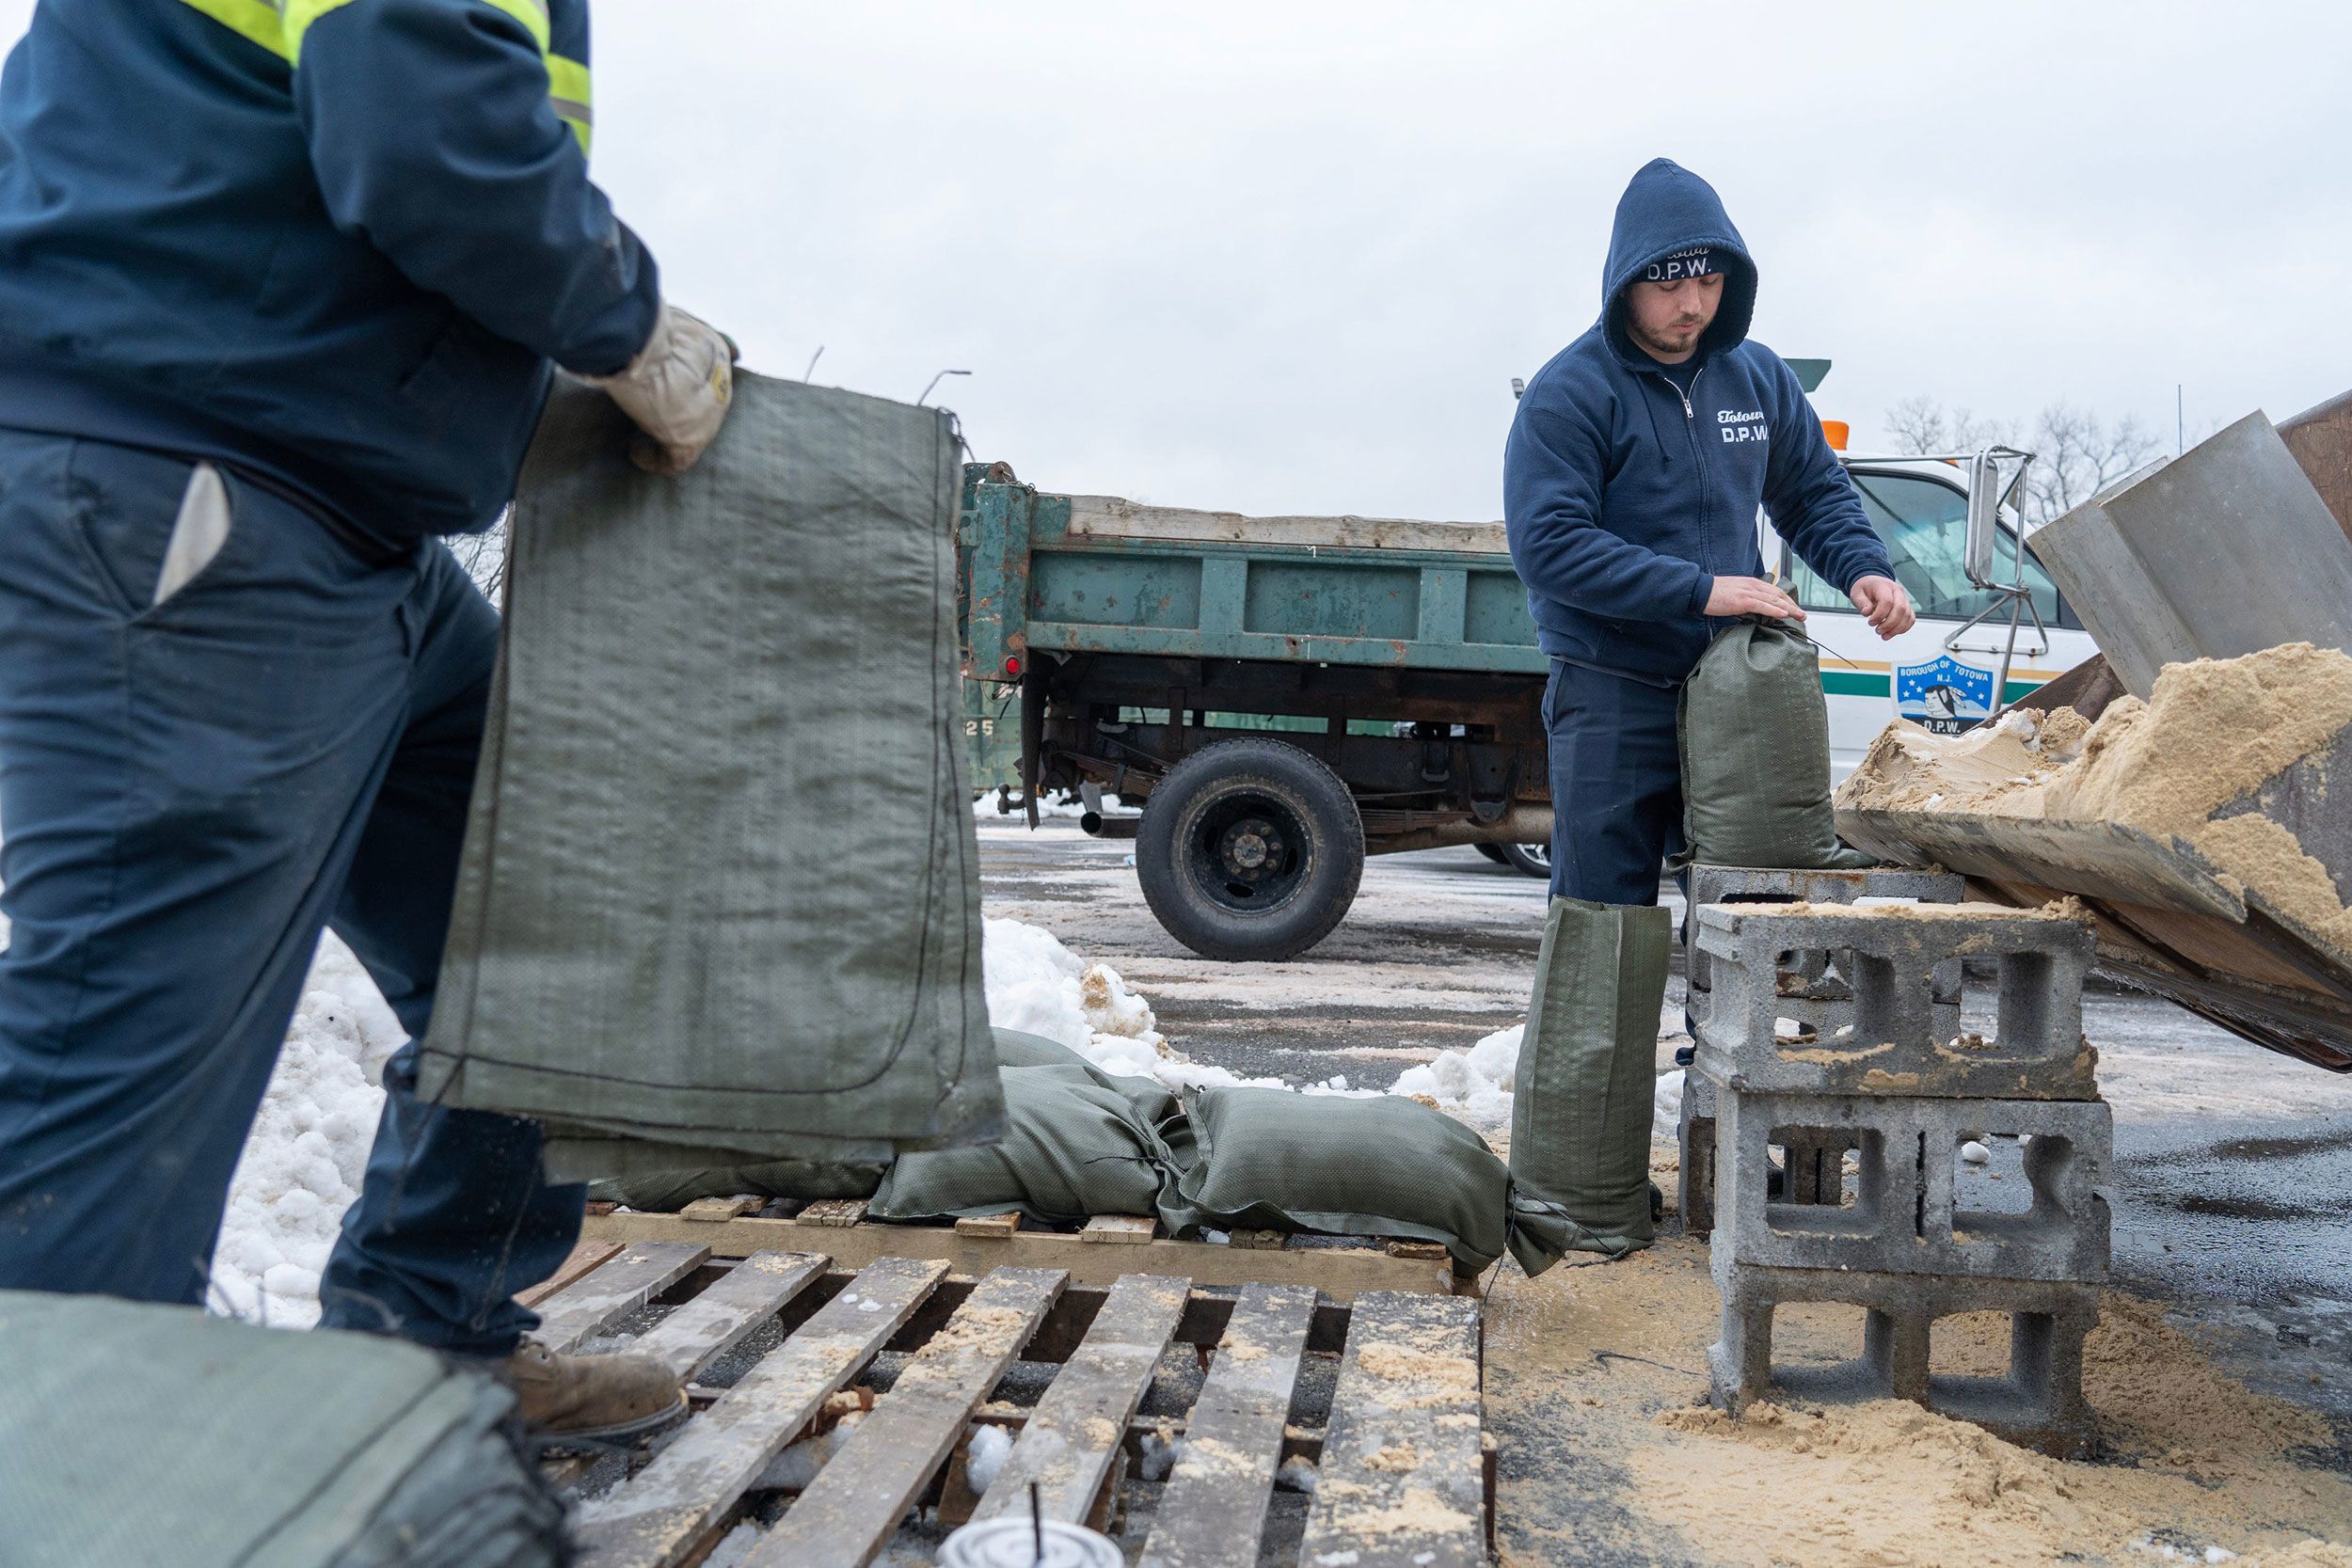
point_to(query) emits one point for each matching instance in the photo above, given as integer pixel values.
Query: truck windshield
(1925, 524)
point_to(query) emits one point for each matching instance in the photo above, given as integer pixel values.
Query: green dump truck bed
(1099, 575)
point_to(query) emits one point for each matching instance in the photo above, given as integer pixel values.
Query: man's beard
(1658, 346)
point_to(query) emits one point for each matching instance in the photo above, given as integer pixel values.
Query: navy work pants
(189, 790)
(1617, 785)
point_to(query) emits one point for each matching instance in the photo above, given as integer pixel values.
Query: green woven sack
(1383, 1166)
(1754, 732)
(137, 1435)
(663, 1191)
(657, 947)
(1078, 1143)
(1587, 1072)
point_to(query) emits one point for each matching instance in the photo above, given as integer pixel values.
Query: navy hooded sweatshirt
(1624, 500)
(332, 243)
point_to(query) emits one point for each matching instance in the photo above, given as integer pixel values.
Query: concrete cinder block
(1813, 991)
(1903, 963)
(1908, 1213)
(1695, 1183)
(1812, 1167)
(2038, 1402)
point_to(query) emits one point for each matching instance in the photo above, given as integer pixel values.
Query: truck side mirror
(1992, 479)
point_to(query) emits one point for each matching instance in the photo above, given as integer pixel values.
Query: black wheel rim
(1246, 851)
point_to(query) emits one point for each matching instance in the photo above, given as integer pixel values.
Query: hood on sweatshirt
(1665, 209)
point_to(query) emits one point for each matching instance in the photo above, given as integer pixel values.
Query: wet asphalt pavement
(2232, 1188)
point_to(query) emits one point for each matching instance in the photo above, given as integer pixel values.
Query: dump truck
(1287, 695)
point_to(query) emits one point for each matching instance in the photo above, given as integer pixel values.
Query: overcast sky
(1287, 257)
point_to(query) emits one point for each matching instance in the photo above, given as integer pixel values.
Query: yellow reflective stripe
(568, 91)
(299, 15)
(531, 15)
(277, 25)
(254, 20)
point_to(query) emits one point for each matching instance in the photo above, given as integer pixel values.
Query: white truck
(1942, 672)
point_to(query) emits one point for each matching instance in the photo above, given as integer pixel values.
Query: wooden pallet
(1406, 1474)
(1109, 1246)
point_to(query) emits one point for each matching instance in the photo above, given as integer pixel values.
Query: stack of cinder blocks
(1877, 1070)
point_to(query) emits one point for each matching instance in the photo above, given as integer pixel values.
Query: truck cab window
(1924, 525)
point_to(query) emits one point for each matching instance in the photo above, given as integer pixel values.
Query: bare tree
(484, 557)
(1918, 424)
(2077, 453)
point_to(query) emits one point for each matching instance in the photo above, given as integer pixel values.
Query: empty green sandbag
(1586, 1076)
(1754, 731)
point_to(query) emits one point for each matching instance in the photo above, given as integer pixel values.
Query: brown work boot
(609, 1399)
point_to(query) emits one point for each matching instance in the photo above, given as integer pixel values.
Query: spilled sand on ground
(2211, 734)
(1595, 1384)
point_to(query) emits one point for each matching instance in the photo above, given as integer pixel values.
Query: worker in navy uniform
(282, 283)
(1631, 483)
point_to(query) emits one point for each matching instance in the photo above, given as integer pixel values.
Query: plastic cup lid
(1012, 1544)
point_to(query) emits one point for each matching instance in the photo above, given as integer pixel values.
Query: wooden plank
(585, 1254)
(838, 1212)
(1212, 1511)
(1402, 1482)
(657, 1518)
(640, 1272)
(724, 1316)
(715, 1209)
(854, 1504)
(1120, 1229)
(1339, 1272)
(990, 1228)
(1074, 1436)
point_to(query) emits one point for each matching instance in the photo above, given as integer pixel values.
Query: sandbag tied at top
(140, 1436)
(1586, 1076)
(1273, 1160)
(1754, 729)
(1078, 1142)
(719, 902)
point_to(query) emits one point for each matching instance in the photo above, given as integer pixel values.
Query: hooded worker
(1632, 482)
(282, 283)
(1631, 485)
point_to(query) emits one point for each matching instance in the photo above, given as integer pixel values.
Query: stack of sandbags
(136, 1435)
(719, 902)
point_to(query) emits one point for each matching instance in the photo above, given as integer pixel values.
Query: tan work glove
(676, 389)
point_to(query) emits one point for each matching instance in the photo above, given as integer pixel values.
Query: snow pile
(985, 1455)
(796, 1466)
(1476, 1084)
(303, 1162)
(1298, 1474)
(1037, 985)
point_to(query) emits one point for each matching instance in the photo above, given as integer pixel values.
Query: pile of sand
(2212, 733)
(1596, 1388)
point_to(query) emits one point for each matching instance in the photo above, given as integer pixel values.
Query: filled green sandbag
(657, 947)
(1270, 1159)
(1078, 1143)
(663, 1191)
(1019, 1048)
(1754, 731)
(137, 1435)
(1587, 1077)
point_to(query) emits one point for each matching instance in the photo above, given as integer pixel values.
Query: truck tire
(1528, 859)
(1492, 852)
(1250, 849)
